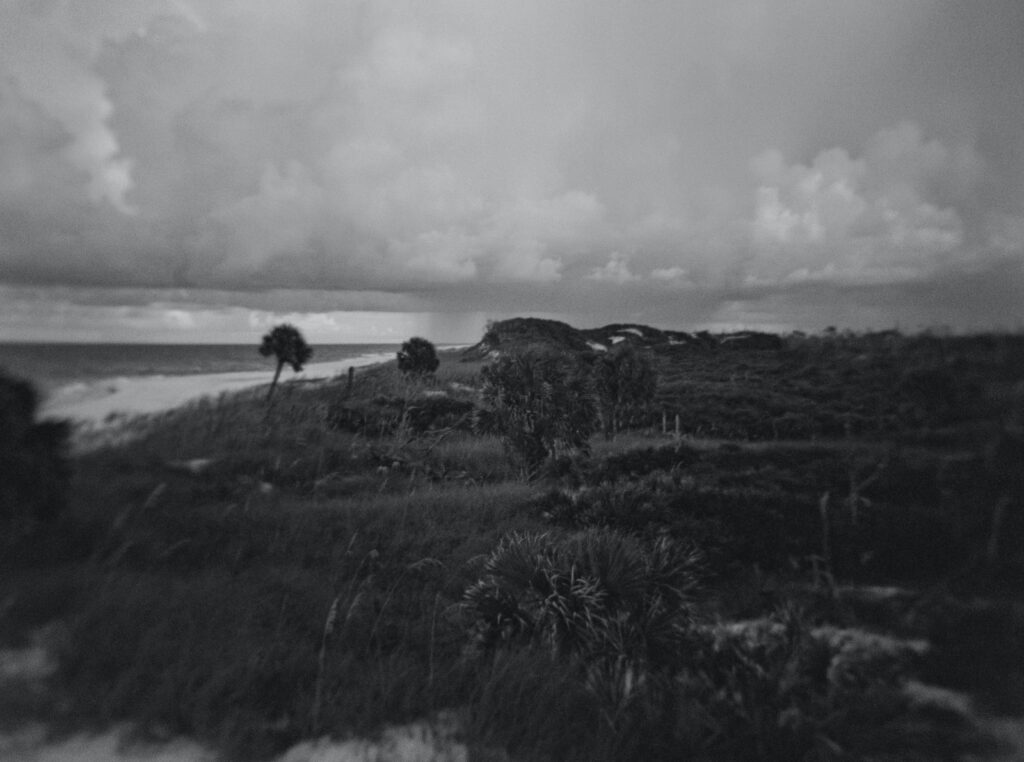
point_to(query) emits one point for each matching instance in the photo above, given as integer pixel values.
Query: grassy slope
(199, 603)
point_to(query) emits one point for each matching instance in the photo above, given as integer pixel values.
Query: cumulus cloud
(615, 270)
(668, 273)
(889, 215)
(47, 52)
(491, 155)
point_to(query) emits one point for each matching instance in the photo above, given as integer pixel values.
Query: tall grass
(208, 619)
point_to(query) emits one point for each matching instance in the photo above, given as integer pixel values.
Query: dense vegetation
(541, 403)
(706, 585)
(417, 357)
(33, 462)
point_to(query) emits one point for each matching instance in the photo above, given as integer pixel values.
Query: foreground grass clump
(596, 594)
(210, 620)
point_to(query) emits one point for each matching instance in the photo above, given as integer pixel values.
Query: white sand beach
(95, 402)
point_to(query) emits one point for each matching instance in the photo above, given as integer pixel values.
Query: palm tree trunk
(277, 374)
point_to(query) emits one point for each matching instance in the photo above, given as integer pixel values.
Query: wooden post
(664, 422)
(677, 425)
(351, 378)
(998, 514)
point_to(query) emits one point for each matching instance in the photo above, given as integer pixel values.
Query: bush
(417, 357)
(541, 404)
(776, 688)
(614, 616)
(34, 470)
(626, 383)
(597, 594)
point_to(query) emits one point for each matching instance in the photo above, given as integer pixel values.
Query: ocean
(54, 365)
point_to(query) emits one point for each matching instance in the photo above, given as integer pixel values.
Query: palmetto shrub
(596, 594)
(615, 611)
(621, 614)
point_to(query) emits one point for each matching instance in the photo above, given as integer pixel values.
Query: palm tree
(286, 344)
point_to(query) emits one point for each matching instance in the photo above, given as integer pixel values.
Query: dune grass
(205, 618)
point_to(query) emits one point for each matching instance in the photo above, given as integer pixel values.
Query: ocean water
(51, 365)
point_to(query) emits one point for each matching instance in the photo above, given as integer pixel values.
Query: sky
(199, 170)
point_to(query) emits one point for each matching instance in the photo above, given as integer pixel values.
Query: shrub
(596, 594)
(611, 613)
(625, 382)
(541, 404)
(34, 470)
(614, 616)
(417, 357)
(776, 688)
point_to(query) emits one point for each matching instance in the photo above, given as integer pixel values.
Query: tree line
(543, 404)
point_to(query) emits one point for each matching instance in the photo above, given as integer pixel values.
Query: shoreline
(95, 403)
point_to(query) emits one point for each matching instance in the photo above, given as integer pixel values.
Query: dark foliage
(541, 403)
(618, 613)
(625, 382)
(598, 595)
(34, 468)
(287, 345)
(520, 334)
(418, 357)
(753, 506)
(382, 415)
(747, 340)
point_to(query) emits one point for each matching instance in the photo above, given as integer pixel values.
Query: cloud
(47, 50)
(668, 273)
(615, 270)
(167, 316)
(279, 219)
(890, 215)
(490, 155)
(1006, 233)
